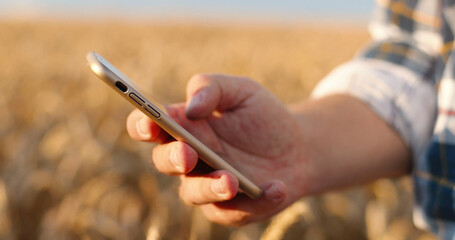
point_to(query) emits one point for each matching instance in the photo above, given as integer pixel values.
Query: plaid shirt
(407, 76)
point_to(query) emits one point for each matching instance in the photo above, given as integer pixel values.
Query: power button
(152, 111)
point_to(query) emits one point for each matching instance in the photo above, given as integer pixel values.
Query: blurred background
(68, 168)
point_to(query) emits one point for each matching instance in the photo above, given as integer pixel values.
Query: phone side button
(152, 111)
(137, 99)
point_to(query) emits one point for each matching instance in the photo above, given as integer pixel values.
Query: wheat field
(69, 170)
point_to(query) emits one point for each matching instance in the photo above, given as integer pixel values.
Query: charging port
(121, 86)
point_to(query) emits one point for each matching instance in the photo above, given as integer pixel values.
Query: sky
(222, 10)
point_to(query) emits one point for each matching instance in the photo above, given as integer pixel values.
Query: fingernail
(175, 160)
(218, 187)
(195, 102)
(143, 128)
(274, 193)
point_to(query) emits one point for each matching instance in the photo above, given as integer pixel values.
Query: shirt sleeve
(395, 75)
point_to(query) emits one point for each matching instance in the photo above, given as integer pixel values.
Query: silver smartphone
(154, 110)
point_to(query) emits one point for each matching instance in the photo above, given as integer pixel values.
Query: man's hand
(248, 127)
(310, 147)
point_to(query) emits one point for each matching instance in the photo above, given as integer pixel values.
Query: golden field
(69, 170)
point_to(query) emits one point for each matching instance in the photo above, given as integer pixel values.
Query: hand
(248, 127)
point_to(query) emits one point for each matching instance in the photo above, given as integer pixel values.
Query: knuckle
(197, 81)
(200, 77)
(195, 193)
(151, 161)
(156, 153)
(240, 218)
(189, 196)
(184, 196)
(251, 83)
(215, 216)
(228, 218)
(154, 160)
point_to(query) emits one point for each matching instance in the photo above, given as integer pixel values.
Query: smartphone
(154, 110)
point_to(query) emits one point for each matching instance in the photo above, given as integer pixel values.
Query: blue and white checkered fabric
(410, 63)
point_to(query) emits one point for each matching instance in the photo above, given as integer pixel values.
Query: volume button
(137, 99)
(152, 111)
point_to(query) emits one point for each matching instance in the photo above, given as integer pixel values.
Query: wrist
(306, 126)
(338, 147)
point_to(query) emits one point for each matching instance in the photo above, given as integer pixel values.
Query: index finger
(142, 128)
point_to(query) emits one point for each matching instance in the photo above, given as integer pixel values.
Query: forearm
(346, 144)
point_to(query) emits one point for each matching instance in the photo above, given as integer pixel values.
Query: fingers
(208, 188)
(209, 92)
(178, 158)
(174, 158)
(243, 210)
(142, 128)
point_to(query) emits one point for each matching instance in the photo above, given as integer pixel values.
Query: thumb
(209, 92)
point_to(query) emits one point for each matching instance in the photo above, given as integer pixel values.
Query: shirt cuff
(396, 94)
